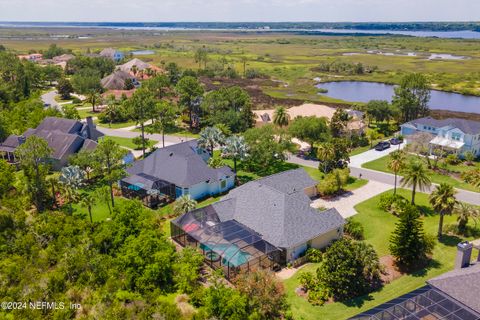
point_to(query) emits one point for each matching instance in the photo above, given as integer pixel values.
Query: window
(186, 191)
(223, 184)
(456, 136)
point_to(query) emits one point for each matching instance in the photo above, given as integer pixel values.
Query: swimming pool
(231, 254)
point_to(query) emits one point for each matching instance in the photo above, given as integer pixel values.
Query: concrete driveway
(345, 203)
(370, 155)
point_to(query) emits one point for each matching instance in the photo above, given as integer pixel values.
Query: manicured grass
(117, 125)
(128, 142)
(355, 183)
(382, 165)
(378, 227)
(359, 150)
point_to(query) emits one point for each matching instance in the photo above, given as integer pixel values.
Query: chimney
(90, 128)
(464, 253)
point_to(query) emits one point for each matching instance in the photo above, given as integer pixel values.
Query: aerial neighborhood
(185, 178)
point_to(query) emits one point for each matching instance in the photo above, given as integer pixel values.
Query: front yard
(378, 226)
(382, 165)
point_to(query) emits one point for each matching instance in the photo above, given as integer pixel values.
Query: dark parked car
(396, 141)
(382, 146)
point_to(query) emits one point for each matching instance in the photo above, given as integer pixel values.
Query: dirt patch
(391, 271)
(443, 114)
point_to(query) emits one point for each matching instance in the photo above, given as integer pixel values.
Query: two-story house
(452, 134)
(113, 54)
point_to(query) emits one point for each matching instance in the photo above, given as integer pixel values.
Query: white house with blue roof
(453, 134)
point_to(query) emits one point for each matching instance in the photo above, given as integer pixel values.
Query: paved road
(49, 98)
(169, 140)
(372, 154)
(387, 178)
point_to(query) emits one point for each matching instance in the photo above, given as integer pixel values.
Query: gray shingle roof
(116, 80)
(461, 284)
(60, 133)
(271, 207)
(467, 126)
(179, 164)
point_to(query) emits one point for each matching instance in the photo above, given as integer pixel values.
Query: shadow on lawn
(359, 301)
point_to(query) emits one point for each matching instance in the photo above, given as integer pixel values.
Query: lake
(362, 91)
(142, 52)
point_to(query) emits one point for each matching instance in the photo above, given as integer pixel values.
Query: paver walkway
(345, 203)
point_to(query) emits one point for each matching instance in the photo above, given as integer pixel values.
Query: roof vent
(171, 154)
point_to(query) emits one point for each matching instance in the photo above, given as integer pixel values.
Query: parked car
(382, 146)
(396, 141)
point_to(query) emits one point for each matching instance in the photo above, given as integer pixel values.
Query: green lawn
(117, 125)
(382, 165)
(128, 142)
(378, 226)
(359, 150)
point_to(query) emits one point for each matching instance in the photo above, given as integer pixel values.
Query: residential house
(454, 295)
(117, 80)
(453, 134)
(34, 57)
(139, 68)
(264, 223)
(174, 171)
(113, 54)
(64, 136)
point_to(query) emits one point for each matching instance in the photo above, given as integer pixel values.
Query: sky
(239, 10)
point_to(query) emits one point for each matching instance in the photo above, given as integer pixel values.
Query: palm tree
(184, 204)
(88, 201)
(71, 178)
(236, 148)
(93, 98)
(396, 164)
(443, 200)
(326, 154)
(280, 117)
(465, 212)
(210, 137)
(416, 176)
(52, 180)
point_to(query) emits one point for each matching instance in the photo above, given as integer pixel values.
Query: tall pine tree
(408, 243)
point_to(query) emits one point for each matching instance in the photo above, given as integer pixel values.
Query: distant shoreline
(461, 30)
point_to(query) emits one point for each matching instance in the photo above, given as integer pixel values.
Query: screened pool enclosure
(228, 245)
(152, 191)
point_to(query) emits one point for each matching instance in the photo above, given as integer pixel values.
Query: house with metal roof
(174, 171)
(64, 136)
(264, 223)
(454, 295)
(453, 134)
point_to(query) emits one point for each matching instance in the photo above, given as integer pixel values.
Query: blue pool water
(230, 253)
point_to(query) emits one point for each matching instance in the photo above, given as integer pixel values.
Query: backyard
(378, 226)
(381, 164)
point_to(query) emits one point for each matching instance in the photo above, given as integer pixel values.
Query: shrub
(76, 100)
(334, 182)
(452, 159)
(317, 297)
(392, 203)
(354, 229)
(349, 269)
(314, 255)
